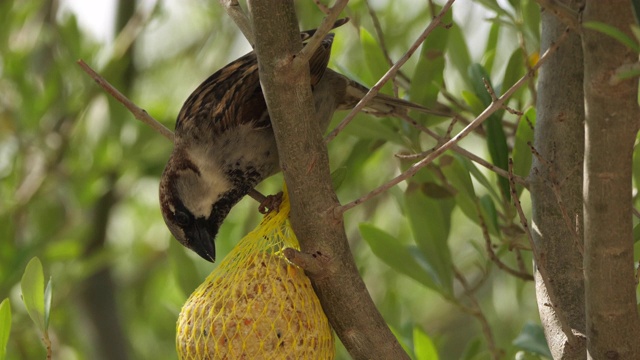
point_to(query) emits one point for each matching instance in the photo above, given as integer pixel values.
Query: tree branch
(137, 112)
(303, 157)
(241, 19)
(437, 21)
(493, 107)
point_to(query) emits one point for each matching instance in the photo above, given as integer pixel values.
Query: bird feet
(270, 203)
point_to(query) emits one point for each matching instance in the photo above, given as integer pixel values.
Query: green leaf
(47, 304)
(636, 9)
(627, 71)
(459, 177)
(338, 176)
(423, 346)
(458, 51)
(375, 59)
(532, 339)
(493, 5)
(389, 249)
(496, 138)
(473, 101)
(429, 73)
(401, 338)
(531, 18)
(521, 152)
(430, 221)
(472, 350)
(490, 214)
(514, 70)
(492, 43)
(478, 175)
(636, 233)
(32, 285)
(5, 327)
(365, 127)
(614, 32)
(635, 29)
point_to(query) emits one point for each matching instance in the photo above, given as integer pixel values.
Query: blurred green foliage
(79, 175)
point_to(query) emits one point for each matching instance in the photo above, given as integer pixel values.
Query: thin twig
(241, 18)
(469, 155)
(383, 46)
(324, 8)
(137, 112)
(492, 255)
(327, 24)
(525, 54)
(495, 105)
(519, 260)
(542, 270)
(390, 73)
(476, 311)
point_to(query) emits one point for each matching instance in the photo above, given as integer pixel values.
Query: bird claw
(270, 203)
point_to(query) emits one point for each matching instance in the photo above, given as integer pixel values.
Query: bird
(224, 143)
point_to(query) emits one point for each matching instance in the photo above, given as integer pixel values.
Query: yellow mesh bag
(255, 304)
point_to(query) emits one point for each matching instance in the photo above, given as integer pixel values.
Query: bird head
(190, 201)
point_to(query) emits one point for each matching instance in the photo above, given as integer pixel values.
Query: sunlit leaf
(423, 347)
(473, 101)
(5, 327)
(47, 304)
(32, 285)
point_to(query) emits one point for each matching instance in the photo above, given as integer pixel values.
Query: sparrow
(224, 143)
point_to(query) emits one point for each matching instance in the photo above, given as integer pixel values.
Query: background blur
(79, 175)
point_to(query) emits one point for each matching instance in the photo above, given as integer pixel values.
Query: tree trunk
(556, 190)
(305, 165)
(611, 126)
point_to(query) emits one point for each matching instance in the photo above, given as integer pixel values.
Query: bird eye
(182, 218)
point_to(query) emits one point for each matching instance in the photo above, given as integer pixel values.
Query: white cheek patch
(199, 193)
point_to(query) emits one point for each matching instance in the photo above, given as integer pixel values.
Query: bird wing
(233, 96)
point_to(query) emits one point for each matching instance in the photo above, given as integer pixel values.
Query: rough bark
(611, 127)
(304, 162)
(556, 187)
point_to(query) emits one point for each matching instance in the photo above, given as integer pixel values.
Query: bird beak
(203, 243)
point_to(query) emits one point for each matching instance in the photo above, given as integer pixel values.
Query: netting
(255, 304)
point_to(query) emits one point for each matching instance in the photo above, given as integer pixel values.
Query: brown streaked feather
(320, 59)
(233, 96)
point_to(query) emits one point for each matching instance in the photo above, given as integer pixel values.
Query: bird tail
(383, 105)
